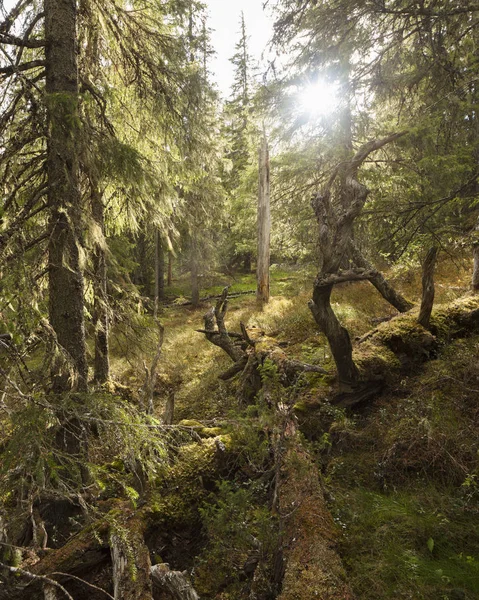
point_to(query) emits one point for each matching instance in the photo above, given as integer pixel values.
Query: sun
(320, 98)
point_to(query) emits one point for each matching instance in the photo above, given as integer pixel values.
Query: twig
(17, 570)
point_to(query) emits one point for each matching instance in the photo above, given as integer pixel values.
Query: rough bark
(169, 279)
(101, 321)
(428, 290)
(195, 284)
(336, 208)
(172, 583)
(383, 286)
(264, 224)
(159, 271)
(337, 336)
(475, 271)
(131, 565)
(66, 285)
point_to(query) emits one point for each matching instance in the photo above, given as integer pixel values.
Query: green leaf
(430, 544)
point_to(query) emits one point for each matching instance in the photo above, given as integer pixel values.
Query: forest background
(129, 200)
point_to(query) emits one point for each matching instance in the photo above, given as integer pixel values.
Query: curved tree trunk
(428, 290)
(66, 285)
(337, 336)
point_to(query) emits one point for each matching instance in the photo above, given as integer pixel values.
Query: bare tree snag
(475, 271)
(336, 208)
(173, 583)
(383, 286)
(264, 224)
(242, 351)
(428, 289)
(66, 285)
(131, 562)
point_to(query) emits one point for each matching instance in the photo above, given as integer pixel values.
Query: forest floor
(400, 475)
(287, 497)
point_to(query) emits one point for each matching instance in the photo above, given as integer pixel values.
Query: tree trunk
(101, 319)
(428, 289)
(475, 271)
(381, 283)
(160, 269)
(337, 336)
(264, 224)
(170, 269)
(66, 285)
(195, 286)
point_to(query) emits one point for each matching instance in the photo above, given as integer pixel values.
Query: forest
(239, 337)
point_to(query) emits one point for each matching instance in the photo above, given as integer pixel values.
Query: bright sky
(225, 23)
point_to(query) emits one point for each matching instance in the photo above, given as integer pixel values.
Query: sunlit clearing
(320, 98)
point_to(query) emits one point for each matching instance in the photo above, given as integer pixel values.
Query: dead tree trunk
(336, 208)
(172, 583)
(264, 224)
(241, 349)
(65, 276)
(428, 289)
(336, 334)
(131, 563)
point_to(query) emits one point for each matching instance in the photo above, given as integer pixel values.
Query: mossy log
(402, 344)
(313, 568)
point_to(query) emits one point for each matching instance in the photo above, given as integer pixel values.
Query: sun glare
(320, 98)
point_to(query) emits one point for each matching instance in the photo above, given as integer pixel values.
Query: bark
(170, 269)
(475, 271)
(66, 285)
(101, 321)
(475, 274)
(195, 286)
(264, 224)
(383, 286)
(131, 565)
(336, 208)
(172, 583)
(220, 337)
(159, 272)
(428, 290)
(337, 336)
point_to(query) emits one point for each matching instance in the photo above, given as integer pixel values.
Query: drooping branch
(383, 286)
